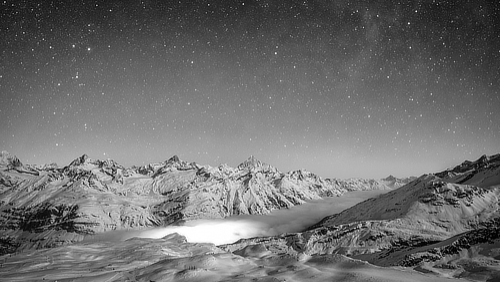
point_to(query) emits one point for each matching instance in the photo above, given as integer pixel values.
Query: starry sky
(340, 88)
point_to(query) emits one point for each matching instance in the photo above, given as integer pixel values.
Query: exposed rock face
(48, 206)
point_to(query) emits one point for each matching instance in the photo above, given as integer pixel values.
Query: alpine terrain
(431, 228)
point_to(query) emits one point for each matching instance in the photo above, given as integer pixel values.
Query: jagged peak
(8, 159)
(174, 159)
(390, 178)
(176, 162)
(80, 160)
(302, 174)
(110, 163)
(482, 159)
(251, 162)
(482, 162)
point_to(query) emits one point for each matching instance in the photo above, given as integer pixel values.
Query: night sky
(340, 88)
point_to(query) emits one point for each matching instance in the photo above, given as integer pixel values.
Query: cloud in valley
(229, 230)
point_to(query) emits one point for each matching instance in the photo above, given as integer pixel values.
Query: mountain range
(47, 206)
(443, 224)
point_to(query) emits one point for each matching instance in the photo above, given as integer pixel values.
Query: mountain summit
(80, 160)
(174, 159)
(250, 163)
(7, 159)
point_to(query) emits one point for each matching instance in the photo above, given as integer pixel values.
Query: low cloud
(229, 230)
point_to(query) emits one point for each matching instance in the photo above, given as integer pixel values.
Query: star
(319, 85)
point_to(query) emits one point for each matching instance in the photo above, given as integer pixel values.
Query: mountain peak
(8, 159)
(174, 159)
(482, 159)
(80, 160)
(251, 162)
(390, 178)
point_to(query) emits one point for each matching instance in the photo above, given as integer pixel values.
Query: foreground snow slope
(173, 259)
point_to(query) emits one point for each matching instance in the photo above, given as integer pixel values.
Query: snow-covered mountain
(438, 223)
(46, 206)
(428, 203)
(435, 227)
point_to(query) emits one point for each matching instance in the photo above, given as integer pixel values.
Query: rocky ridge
(484, 172)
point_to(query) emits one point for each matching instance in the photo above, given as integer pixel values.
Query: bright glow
(232, 229)
(217, 232)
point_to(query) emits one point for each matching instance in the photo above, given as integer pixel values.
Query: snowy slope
(432, 222)
(173, 259)
(428, 202)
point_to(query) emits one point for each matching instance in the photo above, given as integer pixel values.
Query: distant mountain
(47, 206)
(445, 223)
